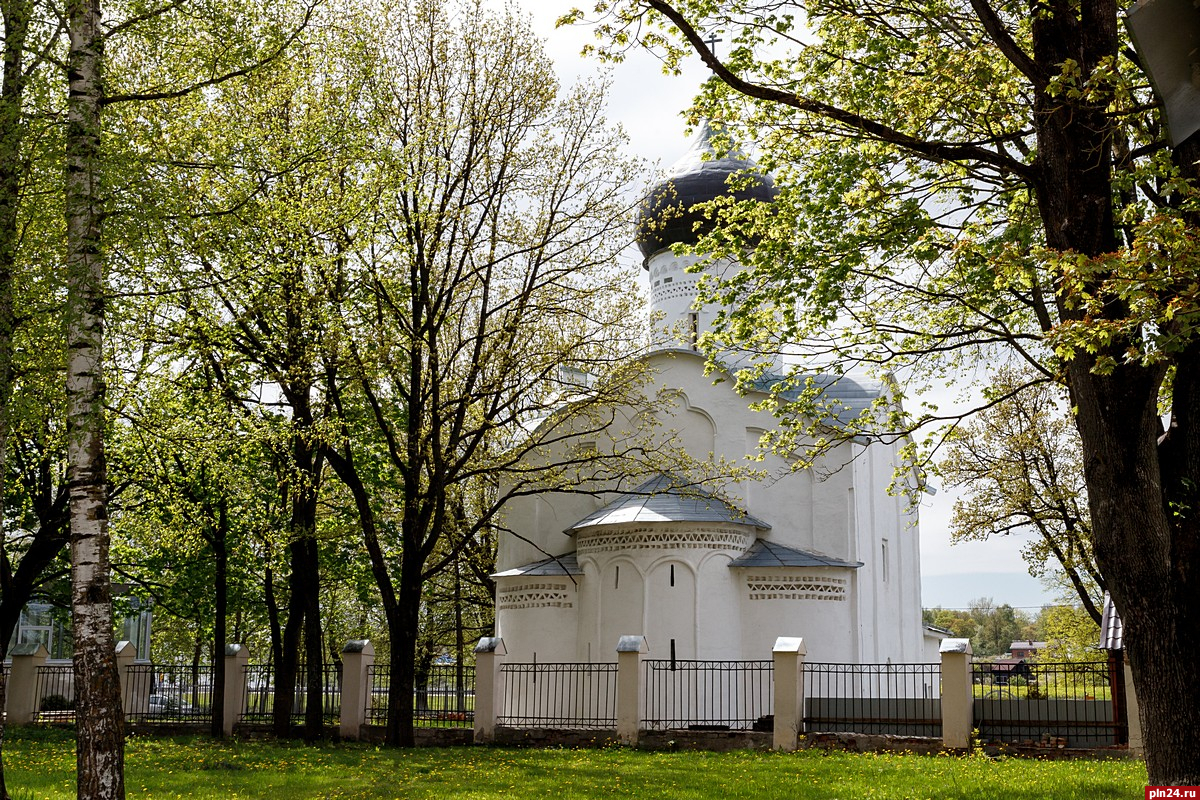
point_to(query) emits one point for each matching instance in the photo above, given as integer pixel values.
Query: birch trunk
(100, 755)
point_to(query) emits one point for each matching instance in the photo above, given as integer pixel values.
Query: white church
(716, 572)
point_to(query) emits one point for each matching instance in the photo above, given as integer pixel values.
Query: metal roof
(565, 564)
(770, 554)
(1112, 630)
(844, 396)
(667, 499)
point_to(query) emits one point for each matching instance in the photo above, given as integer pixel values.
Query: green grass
(40, 764)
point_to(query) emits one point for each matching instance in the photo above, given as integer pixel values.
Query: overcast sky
(648, 105)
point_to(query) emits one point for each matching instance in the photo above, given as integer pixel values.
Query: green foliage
(908, 236)
(1020, 467)
(1071, 635)
(990, 628)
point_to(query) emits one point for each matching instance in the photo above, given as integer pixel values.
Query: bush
(56, 702)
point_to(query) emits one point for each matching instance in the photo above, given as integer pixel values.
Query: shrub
(56, 702)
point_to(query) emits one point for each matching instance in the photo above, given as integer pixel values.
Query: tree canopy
(963, 181)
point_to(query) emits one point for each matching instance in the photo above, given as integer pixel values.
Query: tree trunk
(273, 626)
(221, 614)
(1146, 547)
(460, 649)
(100, 752)
(314, 652)
(304, 619)
(343, 464)
(287, 667)
(404, 653)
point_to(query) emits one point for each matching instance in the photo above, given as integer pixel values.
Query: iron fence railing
(579, 696)
(1064, 704)
(163, 693)
(896, 699)
(55, 692)
(444, 697)
(708, 695)
(260, 694)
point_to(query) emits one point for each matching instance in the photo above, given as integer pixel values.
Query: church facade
(715, 572)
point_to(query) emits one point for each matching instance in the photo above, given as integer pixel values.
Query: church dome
(668, 215)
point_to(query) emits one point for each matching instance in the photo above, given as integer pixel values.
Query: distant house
(1025, 649)
(1005, 669)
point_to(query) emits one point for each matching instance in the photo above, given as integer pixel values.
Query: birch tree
(88, 203)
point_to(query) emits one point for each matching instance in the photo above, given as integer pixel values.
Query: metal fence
(1063, 704)
(896, 699)
(260, 694)
(445, 698)
(167, 693)
(55, 693)
(708, 695)
(578, 696)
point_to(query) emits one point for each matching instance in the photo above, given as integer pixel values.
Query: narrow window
(672, 574)
(885, 561)
(694, 322)
(617, 579)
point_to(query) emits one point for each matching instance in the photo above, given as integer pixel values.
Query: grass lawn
(40, 764)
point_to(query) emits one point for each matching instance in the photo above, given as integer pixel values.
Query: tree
(98, 78)
(253, 260)
(486, 300)
(990, 628)
(30, 242)
(192, 496)
(1070, 634)
(959, 623)
(999, 626)
(1019, 465)
(100, 752)
(963, 178)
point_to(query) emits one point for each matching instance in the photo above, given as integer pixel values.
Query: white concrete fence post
(237, 656)
(788, 656)
(357, 657)
(22, 700)
(629, 687)
(958, 698)
(489, 686)
(1133, 713)
(126, 655)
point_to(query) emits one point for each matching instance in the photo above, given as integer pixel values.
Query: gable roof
(769, 554)
(662, 499)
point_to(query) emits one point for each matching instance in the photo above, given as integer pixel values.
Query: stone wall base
(713, 741)
(424, 737)
(869, 743)
(553, 737)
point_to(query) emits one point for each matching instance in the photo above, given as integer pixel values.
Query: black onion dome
(667, 214)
